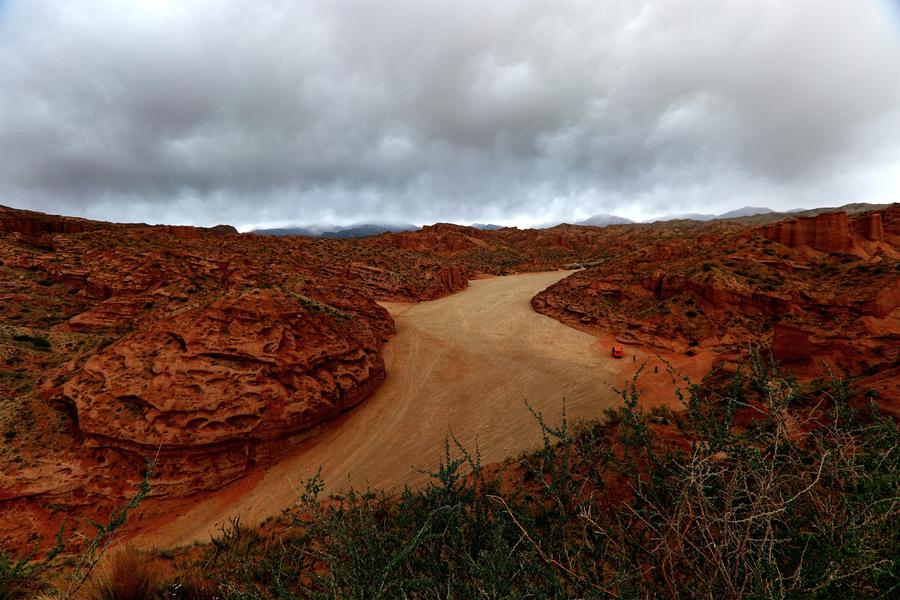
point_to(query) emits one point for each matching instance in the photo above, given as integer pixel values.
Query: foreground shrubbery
(761, 488)
(25, 576)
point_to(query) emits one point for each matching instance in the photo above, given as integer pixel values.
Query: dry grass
(125, 575)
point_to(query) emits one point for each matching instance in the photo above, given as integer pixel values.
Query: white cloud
(509, 111)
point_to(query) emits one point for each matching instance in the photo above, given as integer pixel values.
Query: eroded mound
(258, 364)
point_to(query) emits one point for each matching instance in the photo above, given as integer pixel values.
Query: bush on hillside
(760, 488)
(750, 492)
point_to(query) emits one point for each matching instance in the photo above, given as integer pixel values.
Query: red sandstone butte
(258, 364)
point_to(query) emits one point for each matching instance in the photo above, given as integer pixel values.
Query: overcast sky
(271, 112)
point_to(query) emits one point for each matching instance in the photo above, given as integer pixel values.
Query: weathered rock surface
(829, 232)
(222, 350)
(259, 364)
(833, 232)
(827, 291)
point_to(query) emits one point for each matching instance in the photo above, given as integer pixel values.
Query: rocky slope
(863, 236)
(211, 351)
(254, 364)
(215, 352)
(819, 289)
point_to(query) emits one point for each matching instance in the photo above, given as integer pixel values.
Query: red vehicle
(618, 352)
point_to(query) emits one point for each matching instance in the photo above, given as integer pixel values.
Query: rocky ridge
(823, 289)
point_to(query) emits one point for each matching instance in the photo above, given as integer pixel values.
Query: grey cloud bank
(276, 112)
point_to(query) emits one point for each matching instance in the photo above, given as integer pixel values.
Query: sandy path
(467, 363)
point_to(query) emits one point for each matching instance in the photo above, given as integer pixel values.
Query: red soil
(213, 352)
(220, 353)
(826, 290)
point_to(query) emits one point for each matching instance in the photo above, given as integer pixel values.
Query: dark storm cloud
(282, 111)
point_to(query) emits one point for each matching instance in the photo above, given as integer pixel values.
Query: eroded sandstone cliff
(821, 290)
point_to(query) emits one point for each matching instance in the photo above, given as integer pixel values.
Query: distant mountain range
(335, 231)
(747, 211)
(487, 226)
(603, 219)
(354, 231)
(754, 215)
(747, 214)
(598, 220)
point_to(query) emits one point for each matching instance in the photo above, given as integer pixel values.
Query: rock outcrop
(450, 281)
(829, 232)
(442, 238)
(259, 364)
(828, 294)
(34, 224)
(870, 227)
(835, 232)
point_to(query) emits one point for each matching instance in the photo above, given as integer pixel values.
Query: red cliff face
(829, 293)
(829, 232)
(451, 280)
(865, 236)
(870, 227)
(33, 225)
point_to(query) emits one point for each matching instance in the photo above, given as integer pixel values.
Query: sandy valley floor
(465, 363)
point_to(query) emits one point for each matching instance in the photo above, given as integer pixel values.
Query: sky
(278, 112)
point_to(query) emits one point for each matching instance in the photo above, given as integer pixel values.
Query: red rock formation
(829, 232)
(451, 280)
(184, 232)
(259, 364)
(791, 344)
(869, 227)
(864, 235)
(720, 290)
(34, 224)
(115, 313)
(441, 238)
(560, 239)
(886, 300)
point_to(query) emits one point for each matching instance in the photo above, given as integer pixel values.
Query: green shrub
(615, 510)
(23, 577)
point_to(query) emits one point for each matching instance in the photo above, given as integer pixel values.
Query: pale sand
(465, 363)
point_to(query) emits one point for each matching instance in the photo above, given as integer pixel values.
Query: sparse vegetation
(126, 575)
(24, 576)
(750, 492)
(320, 307)
(39, 342)
(20, 575)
